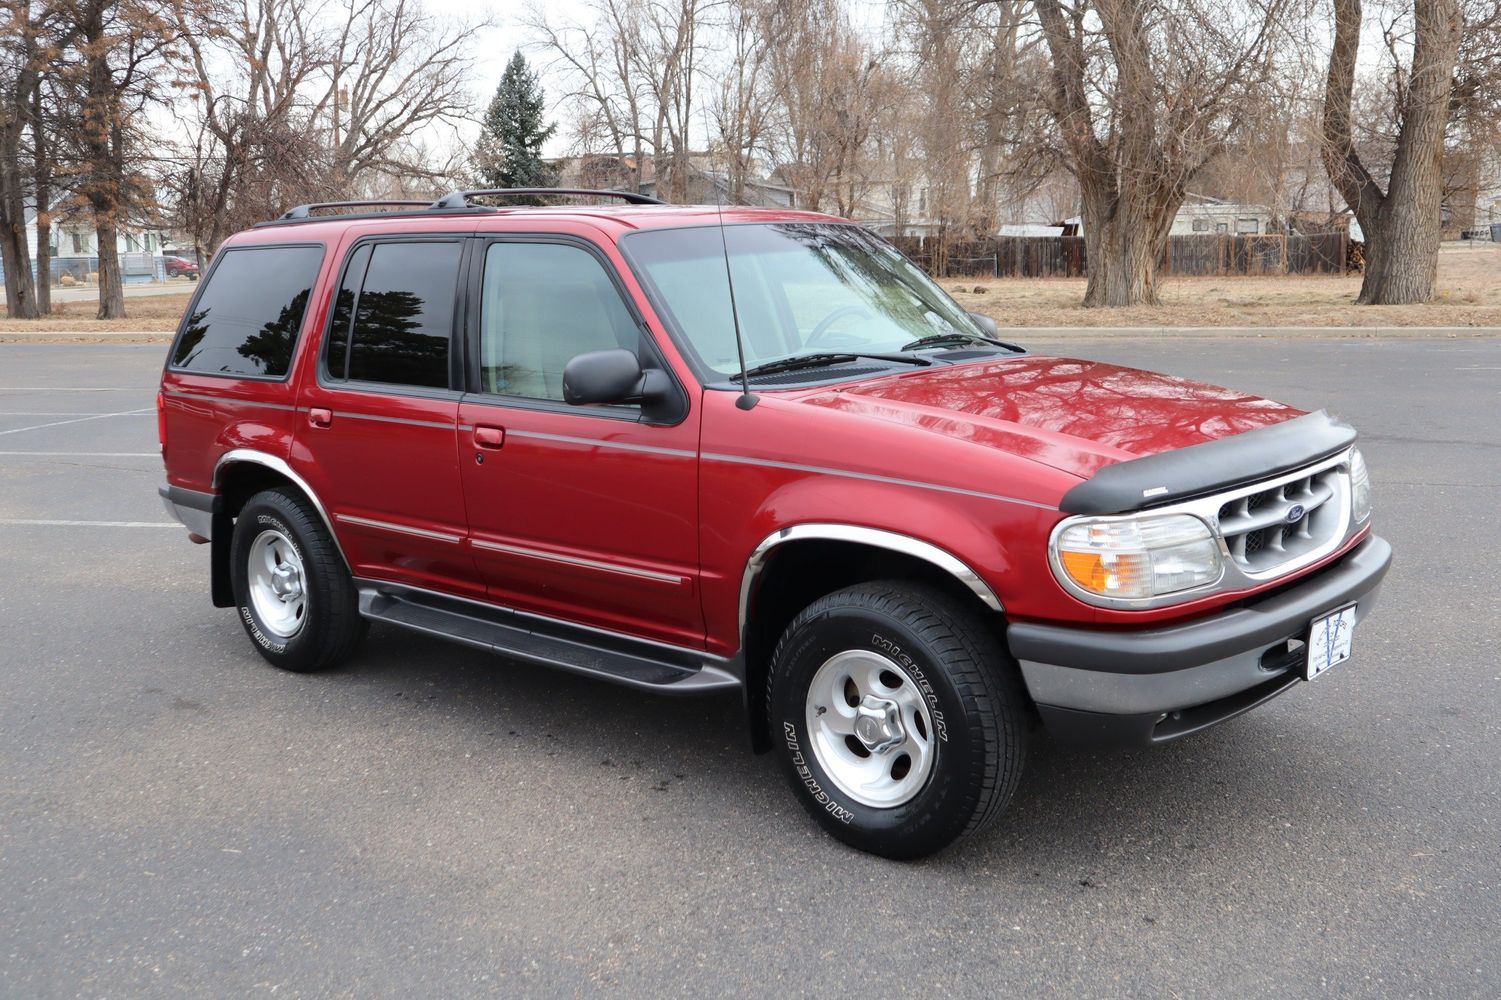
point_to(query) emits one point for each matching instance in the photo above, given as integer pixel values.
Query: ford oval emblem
(1295, 513)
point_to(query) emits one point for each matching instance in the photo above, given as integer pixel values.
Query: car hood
(1072, 415)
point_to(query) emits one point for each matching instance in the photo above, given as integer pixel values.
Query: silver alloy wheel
(276, 582)
(870, 728)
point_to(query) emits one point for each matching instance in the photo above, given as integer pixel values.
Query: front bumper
(1114, 688)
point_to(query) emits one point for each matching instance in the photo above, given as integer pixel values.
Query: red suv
(758, 451)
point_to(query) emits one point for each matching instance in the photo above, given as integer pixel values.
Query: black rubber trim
(612, 656)
(1207, 468)
(1102, 731)
(1176, 647)
(206, 502)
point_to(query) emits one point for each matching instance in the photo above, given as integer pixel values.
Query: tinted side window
(403, 318)
(338, 327)
(246, 320)
(542, 305)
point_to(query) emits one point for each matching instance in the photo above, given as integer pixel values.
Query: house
(1200, 214)
(75, 245)
(1032, 229)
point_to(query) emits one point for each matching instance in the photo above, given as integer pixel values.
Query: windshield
(800, 288)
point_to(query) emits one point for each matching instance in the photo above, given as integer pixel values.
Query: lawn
(1469, 282)
(154, 313)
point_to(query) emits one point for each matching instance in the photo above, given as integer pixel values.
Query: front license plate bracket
(1329, 641)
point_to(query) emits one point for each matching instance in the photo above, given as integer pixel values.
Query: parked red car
(179, 267)
(757, 452)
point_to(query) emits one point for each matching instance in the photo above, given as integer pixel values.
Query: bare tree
(603, 80)
(393, 70)
(290, 103)
(941, 70)
(1473, 145)
(834, 88)
(1402, 221)
(634, 72)
(741, 106)
(46, 114)
(248, 65)
(1143, 93)
(120, 47)
(27, 44)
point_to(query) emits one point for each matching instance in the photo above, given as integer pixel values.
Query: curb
(85, 336)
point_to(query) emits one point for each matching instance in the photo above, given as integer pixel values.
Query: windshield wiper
(955, 339)
(822, 358)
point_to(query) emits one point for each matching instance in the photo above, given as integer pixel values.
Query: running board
(636, 663)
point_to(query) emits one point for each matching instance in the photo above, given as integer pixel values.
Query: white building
(75, 246)
(1201, 215)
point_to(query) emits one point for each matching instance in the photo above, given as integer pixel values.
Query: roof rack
(306, 211)
(460, 199)
(456, 202)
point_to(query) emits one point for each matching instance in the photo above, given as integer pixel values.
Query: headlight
(1360, 487)
(1135, 558)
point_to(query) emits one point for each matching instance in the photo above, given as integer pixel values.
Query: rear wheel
(294, 594)
(898, 716)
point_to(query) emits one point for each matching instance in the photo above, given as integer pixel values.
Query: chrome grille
(1267, 529)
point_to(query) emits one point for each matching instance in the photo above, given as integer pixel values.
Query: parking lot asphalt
(178, 818)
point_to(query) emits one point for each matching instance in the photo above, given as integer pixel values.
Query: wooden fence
(1210, 254)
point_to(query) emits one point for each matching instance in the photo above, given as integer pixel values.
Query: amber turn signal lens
(1087, 569)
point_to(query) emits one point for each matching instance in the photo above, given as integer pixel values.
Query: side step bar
(636, 663)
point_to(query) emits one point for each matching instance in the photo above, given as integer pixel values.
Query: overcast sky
(494, 45)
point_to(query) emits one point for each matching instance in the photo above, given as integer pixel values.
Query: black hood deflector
(1156, 480)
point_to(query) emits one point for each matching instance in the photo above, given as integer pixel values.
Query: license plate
(1329, 641)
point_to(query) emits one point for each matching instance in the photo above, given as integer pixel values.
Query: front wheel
(898, 716)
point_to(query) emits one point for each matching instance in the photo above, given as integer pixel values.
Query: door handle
(489, 437)
(319, 416)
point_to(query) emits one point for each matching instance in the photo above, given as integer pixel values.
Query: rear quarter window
(246, 320)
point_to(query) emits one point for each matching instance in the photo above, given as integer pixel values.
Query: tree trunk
(42, 188)
(1126, 224)
(1402, 224)
(15, 256)
(1402, 251)
(1122, 264)
(111, 290)
(1463, 183)
(20, 290)
(43, 260)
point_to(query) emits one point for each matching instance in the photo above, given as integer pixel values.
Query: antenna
(747, 399)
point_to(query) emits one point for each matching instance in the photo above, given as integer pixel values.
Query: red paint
(647, 529)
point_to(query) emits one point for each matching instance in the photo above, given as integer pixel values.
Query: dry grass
(1469, 279)
(156, 313)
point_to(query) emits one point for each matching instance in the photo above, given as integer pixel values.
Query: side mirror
(613, 376)
(986, 324)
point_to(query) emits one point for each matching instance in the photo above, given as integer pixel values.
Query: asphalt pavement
(178, 818)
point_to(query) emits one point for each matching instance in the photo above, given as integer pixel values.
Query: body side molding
(874, 537)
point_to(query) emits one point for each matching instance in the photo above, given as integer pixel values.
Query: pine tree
(509, 152)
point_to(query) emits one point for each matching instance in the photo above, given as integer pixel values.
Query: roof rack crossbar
(460, 199)
(306, 211)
